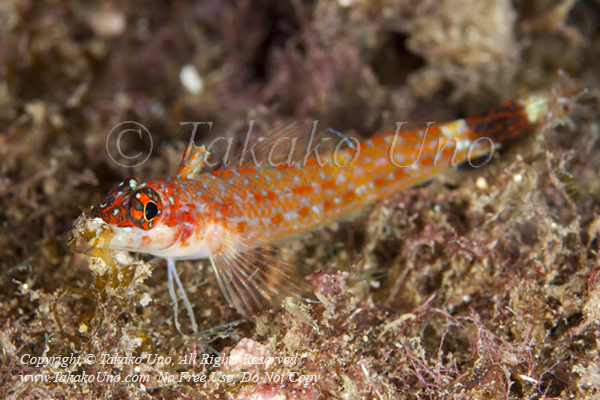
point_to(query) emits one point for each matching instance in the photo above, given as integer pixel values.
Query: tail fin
(552, 105)
(512, 118)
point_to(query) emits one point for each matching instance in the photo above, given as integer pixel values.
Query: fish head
(150, 218)
(134, 215)
(130, 204)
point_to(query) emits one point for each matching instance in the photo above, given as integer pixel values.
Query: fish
(291, 180)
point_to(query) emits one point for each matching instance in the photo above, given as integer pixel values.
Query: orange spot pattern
(253, 201)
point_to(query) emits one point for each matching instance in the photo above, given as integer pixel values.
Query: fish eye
(151, 211)
(144, 208)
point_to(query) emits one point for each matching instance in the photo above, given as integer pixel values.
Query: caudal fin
(513, 118)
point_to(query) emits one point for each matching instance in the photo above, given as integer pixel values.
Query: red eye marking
(144, 208)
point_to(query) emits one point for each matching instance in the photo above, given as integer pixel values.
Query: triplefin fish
(292, 180)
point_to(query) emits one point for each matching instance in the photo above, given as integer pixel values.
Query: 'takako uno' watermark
(139, 132)
(280, 149)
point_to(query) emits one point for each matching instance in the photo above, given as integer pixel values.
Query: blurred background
(71, 70)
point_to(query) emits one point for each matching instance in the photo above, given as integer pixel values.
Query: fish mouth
(89, 234)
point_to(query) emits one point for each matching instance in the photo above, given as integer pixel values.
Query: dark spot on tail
(501, 123)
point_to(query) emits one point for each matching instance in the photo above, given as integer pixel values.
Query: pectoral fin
(254, 279)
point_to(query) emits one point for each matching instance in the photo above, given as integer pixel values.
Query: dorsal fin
(289, 144)
(416, 119)
(193, 161)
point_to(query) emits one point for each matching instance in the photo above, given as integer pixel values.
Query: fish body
(233, 215)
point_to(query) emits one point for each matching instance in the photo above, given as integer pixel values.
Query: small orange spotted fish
(290, 181)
